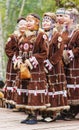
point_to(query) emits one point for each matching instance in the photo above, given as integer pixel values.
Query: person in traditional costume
(11, 49)
(60, 19)
(20, 84)
(70, 57)
(35, 47)
(56, 79)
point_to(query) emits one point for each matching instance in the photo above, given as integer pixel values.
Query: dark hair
(19, 19)
(1, 84)
(35, 15)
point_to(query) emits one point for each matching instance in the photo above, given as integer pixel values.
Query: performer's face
(67, 19)
(22, 26)
(60, 18)
(47, 23)
(31, 23)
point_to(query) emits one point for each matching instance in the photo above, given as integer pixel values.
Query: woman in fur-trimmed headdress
(11, 50)
(54, 67)
(35, 47)
(71, 59)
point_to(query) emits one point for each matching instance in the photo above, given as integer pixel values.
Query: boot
(31, 119)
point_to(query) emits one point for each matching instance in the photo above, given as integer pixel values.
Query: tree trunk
(2, 57)
(22, 7)
(58, 2)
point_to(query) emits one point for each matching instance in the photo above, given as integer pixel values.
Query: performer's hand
(28, 63)
(66, 57)
(17, 62)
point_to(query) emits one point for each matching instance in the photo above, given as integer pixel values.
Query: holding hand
(17, 61)
(27, 62)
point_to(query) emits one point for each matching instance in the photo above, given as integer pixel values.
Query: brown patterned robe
(10, 50)
(36, 88)
(56, 77)
(72, 70)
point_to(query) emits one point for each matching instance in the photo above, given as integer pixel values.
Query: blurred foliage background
(11, 10)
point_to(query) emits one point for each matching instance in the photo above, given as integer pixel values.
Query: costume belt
(19, 91)
(35, 92)
(9, 88)
(72, 86)
(64, 93)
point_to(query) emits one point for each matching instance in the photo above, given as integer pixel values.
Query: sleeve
(40, 50)
(11, 46)
(56, 49)
(74, 43)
